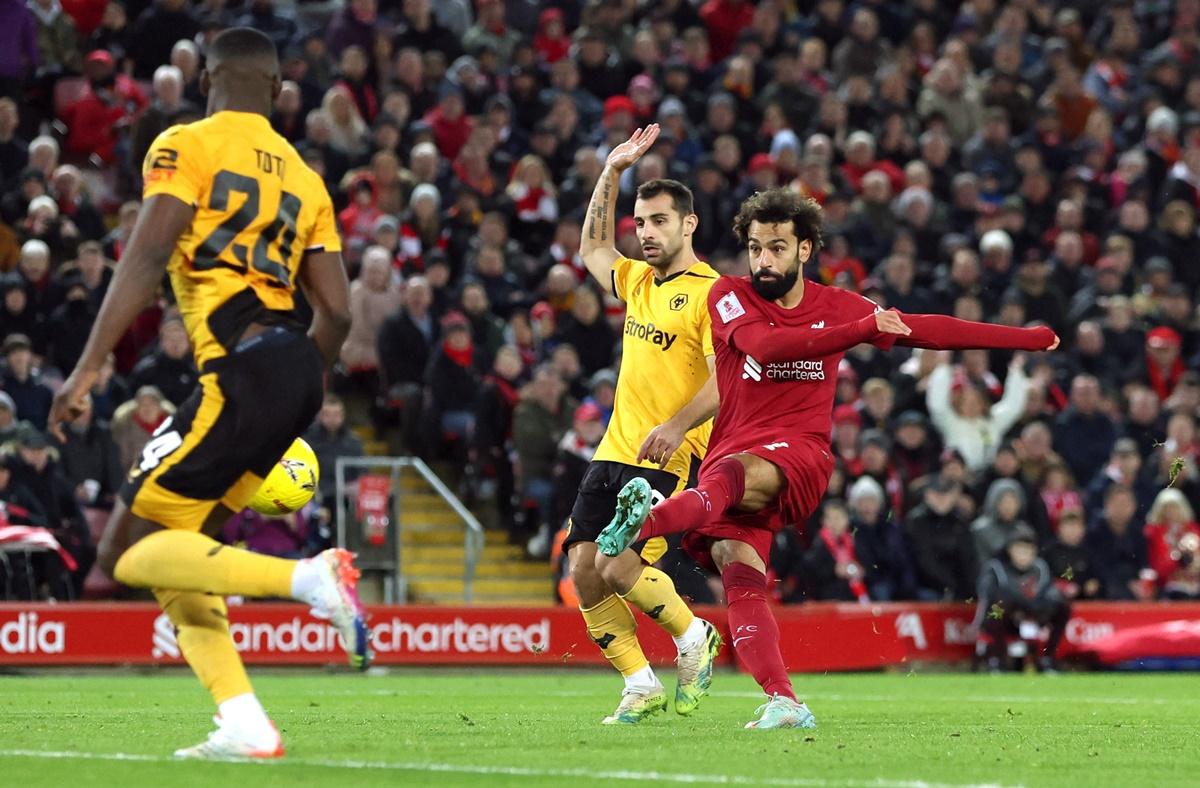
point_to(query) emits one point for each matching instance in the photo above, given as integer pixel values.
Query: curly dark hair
(777, 206)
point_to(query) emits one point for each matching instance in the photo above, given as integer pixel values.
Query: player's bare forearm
(163, 219)
(598, 244)
(939, 332)
(701, 407)
(328, 334)
(665, 439)
(323, 278)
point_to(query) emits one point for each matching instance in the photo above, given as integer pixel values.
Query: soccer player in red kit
(778, 341)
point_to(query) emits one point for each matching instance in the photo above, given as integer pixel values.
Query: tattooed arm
(598, 246)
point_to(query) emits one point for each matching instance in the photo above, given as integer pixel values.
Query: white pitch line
(509, 771)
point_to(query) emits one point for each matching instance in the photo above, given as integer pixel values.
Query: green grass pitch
(540, 728)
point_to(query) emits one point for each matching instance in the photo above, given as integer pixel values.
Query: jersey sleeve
(705, 327)
(622, 269)
(850, 306)
(175, 165)
(324, 236)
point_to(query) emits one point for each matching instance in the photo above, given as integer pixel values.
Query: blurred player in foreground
(778, 341)
(665, 399)
(237, 219)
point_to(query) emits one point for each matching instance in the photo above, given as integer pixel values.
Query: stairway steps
(432, 547)
(421, 586)
(442, 553)
(422, 502)
(428, 517)
(492, 600)
(410, 483)
(374, 448)
(447, 536)
(516, 570)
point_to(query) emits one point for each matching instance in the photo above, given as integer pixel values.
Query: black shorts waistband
(273, 336)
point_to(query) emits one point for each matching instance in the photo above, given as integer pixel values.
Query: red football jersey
(766, 402)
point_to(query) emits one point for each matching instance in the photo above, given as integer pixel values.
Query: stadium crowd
(1011, 161)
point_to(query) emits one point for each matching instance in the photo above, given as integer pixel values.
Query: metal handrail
(473, 539)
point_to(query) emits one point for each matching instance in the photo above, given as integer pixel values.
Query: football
(290, 484)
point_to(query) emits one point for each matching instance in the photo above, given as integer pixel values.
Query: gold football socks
(187, 561)
(611, 626)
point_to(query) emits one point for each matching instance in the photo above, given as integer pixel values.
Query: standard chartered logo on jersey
(784, 370)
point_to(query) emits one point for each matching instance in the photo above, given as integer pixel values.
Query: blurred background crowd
(1011, 161)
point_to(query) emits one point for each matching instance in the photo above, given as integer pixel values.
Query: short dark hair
(777, 206)
(681, 196)
(242, 43)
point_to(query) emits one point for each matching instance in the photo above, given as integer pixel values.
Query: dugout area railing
(379, 545)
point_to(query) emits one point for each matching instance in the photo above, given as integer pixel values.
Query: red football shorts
(806, 465)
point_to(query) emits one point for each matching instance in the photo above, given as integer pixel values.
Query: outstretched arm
(773, 344)
(163, 219)
(939, 332)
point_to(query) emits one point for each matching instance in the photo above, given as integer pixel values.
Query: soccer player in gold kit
(659, 429)
(238, 220)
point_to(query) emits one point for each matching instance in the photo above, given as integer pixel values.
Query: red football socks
(723, 486)
(755, 632)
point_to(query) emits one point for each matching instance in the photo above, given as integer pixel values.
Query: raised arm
(598, 246)
(162, 220)
(1008, 410)
(937, 395)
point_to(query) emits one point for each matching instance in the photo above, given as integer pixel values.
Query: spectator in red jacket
(451, 125)
(860, 159)
(359, 218)
(551, 42)
(96, 123)
(1173, 544)
(724, 20)
(1164, 367)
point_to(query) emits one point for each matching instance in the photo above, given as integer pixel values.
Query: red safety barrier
(815, 637)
